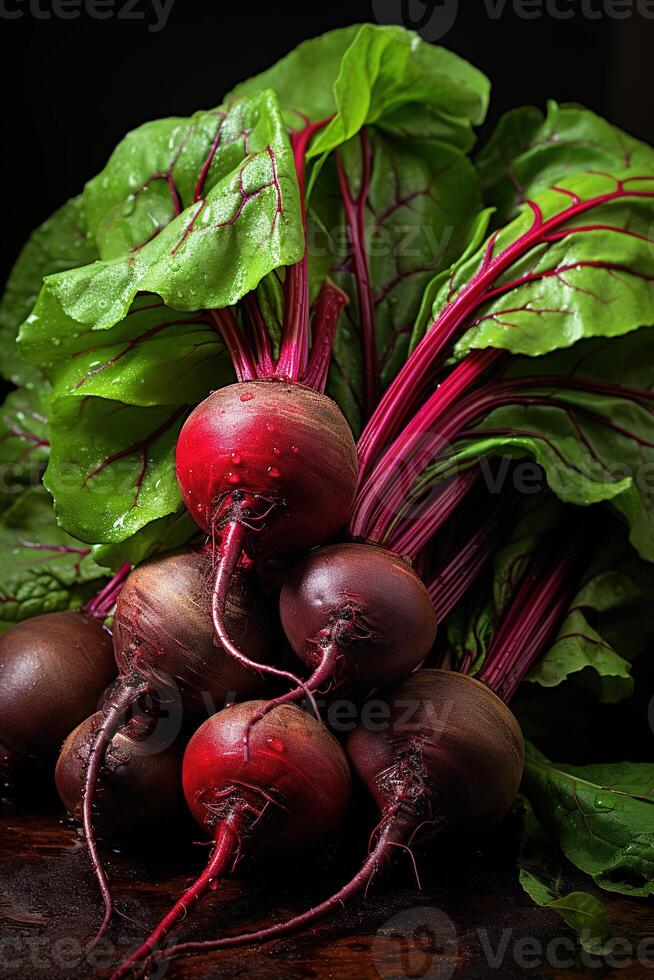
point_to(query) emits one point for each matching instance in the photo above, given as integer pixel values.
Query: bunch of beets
(314, 578)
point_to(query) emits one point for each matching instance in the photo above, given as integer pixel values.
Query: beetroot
(268, 467)
(291, 792)
(162, 628)
(139, 786)
(54, 670)
(164, 639)
(361, 607)
(358, 615)
(450, 757)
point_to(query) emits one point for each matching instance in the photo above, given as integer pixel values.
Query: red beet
(358, 615)
(268, 467)
(54, 670)
(139, 786)
(290, 793)
(164, 638)
(450, 757)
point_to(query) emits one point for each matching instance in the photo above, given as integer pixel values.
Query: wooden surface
(470, 920)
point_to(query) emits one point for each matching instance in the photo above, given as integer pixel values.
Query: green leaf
(154, 356)
(24, 441)
(165, 534)
(212, 253)
(529, 151)
(43, 569)
(608, 583)
(59, 244)
(366, 73)
(578, 646)
(541, 878)
(171, 165)
(573, 267)
(111, 468)
(602, 817)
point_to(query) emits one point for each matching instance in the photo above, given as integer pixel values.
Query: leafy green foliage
(364, 74)
(58, 245)
(587, 647)
(154, 356)
(530, 151)
(112, 466)
(157, 537)
(118, 400)
(602, 817)
(43, 569)
(542, 878)
(24, 441)
(211, 253)
(566, 268)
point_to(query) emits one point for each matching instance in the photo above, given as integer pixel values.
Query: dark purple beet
(54, 670)
(163, 629)
(140, 784)
(358, 616)
(362, 605)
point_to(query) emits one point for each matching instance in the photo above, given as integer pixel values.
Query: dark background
(72, 89)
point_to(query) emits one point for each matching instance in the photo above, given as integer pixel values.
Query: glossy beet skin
(365, 601)
(54, 670)
(162, 628)
(139, 787)
(287, 446)
(290, 793)
(293, 760)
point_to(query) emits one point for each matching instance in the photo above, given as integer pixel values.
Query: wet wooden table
(470, 920)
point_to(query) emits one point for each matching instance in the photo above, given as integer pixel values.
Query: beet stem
(234, 536)
(327, 309)
(102, 604)
(128, 691)
(236, 344)
(225, 853)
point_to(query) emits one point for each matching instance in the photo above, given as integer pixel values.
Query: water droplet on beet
(270, 427)
(276, 744)
(247, 397)
(295, 449)
(277, 451)
(233, 478)
(237, 459)
(273, 472)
